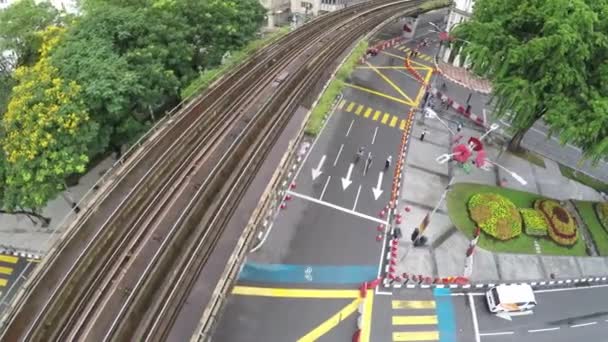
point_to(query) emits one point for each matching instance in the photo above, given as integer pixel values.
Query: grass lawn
(583, 179)
(457, 200)
(531, 157)
(599, 234)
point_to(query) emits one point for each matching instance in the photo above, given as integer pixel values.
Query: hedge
(495, 215)
(562, 228)
(601, 209)
(535, 223)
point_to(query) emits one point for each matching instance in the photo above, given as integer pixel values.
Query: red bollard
(379, 237)
(283, 205)
(292, 185)
(288, 197)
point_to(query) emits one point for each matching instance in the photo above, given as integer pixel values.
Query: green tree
(19, 24)
(45, 132)
(546, 59)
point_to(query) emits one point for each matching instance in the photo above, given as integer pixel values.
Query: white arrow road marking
(346, 181)
(378, 190)
(317, 172)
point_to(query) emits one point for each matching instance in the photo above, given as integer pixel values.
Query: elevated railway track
(125, 270)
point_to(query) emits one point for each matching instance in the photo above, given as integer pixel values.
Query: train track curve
(125, 270)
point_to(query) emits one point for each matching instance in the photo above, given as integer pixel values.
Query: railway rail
(126, 271)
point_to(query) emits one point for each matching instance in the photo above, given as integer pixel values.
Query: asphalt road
(10, 270)
(560, 316)
(326, 236)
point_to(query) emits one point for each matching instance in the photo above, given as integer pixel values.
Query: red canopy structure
(461, 153)
(445, 37)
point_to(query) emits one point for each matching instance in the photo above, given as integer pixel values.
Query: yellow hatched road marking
(393, 121)
(385, 118)
(391, 83)
(359, 109)
(3, 282)
(371, 91)
(416, 336)
(342, 103)
(376, 115)
(9, 258)
(331, 323)
(6, 270)
(368, 112)
(413, 304)
(366, 329)
(402, 124)
(421, 91)
(426, 67)
(350, 107)
(414, 320)
(293, 293)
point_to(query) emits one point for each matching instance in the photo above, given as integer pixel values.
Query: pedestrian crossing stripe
(414, 320)
(350, 107)
(385, 118)
(359, 109)
(416, 336)
(394, 121)
(420, 55)
(6, 270)
(9, 259)
(375, 115)
(413, 304)
(3, 282)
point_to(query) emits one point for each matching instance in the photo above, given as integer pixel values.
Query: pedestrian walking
(368, 164)
(423, 134)
(459, 127)
(387, 164)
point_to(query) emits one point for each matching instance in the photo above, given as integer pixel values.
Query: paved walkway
(466, 89)
(17, 232)
(423, 183)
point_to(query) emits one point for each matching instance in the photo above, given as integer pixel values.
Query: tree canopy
(46, 132)
(94, 82)
(545, 59)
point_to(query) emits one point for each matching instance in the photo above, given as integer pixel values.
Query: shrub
(562, 228)
(601, 209)
(495, 215)
(535, 223)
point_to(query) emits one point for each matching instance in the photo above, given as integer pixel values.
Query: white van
(511, 298)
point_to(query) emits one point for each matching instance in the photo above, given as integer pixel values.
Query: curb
(22, 254)
(562, 283)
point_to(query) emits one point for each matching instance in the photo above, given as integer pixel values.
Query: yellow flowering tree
(45, 132)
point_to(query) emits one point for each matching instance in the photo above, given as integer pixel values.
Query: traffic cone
(292, 185)
(379, 237)
(288, 197)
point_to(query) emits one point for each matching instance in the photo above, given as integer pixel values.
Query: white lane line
(333, 206)
(474, 314)
(582, 325)
(540, 330)
(383, 293)
(374, 138)
(325, 188)
(338, 156)
(497, 333)
(571, 289)
(357, 198)
(349, 127)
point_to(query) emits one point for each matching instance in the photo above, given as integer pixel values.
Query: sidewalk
(424, 180)
(17, 232)
(464, 89)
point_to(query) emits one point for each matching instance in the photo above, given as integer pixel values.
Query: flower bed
(535, 223)
(495, 215)
(562, 228)
(601, 209)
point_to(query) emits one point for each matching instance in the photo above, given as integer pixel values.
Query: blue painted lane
(320, 274)
(445, 315)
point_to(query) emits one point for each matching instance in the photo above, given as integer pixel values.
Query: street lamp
(430, 113)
